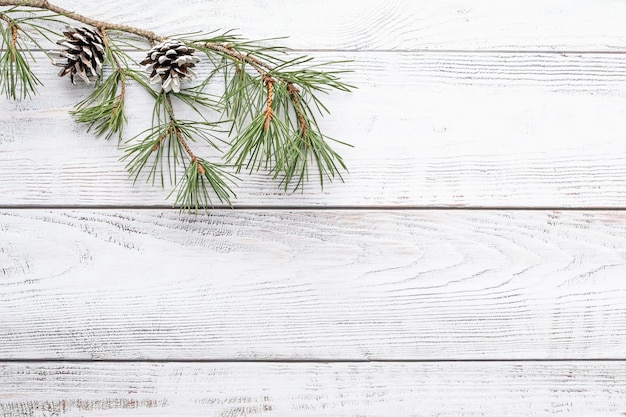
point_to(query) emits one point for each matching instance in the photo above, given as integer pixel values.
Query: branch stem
(269, 112)
(107, 43)
(117, 63)
(294, 93)
(260, 66)
(14, 33)
(179, 134)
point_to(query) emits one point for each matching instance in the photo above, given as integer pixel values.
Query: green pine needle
(292, 141)
(192, 192)
(17, 81)
(157, 150)
(164, 148)
(103, 109)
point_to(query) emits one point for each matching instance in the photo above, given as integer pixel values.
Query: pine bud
(169, 62)
(83, 54)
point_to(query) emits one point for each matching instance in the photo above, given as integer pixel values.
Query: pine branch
(269, 101)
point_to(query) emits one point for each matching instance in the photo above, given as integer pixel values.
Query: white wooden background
(472, 264)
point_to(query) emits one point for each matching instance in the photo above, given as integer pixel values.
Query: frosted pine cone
(83, 53)
(169, 62)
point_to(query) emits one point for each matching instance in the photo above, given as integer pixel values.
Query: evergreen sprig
(103, 109)
(263, 116)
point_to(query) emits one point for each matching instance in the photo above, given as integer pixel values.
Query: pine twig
(269, 111)
(116, 61)
(16, 78)
(14, 33)
(264, 69)
(177, 132)
(294, 93)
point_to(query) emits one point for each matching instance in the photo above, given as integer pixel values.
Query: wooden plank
(445, 129)
(394, 24)
(314, 285)
(275, 389)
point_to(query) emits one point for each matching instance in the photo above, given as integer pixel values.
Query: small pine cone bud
(169, 62)
(83, 54)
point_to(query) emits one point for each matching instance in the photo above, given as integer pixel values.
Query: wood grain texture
(314, 285)
(288, 390)
(317, 312)
(394, 24)
(432, 129)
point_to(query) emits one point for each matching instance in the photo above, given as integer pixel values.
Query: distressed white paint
(335, 285)
(274, 389)
(396, 24)
(434, 129)
(467, 104)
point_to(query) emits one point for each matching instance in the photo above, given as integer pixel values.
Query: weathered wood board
(304, 389)
(473, 263)
(428, 129)
(553, 25)
(313, 284)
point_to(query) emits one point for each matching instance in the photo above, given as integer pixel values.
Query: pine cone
(84, 53)
(169, 62)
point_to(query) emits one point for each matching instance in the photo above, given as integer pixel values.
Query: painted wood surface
(298, 309)
(337, 389)
(429, 130)
(314, 285)
(552, 25)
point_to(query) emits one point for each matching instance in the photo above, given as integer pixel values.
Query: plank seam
(312, 208)
(468, 51)
(312, 361)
